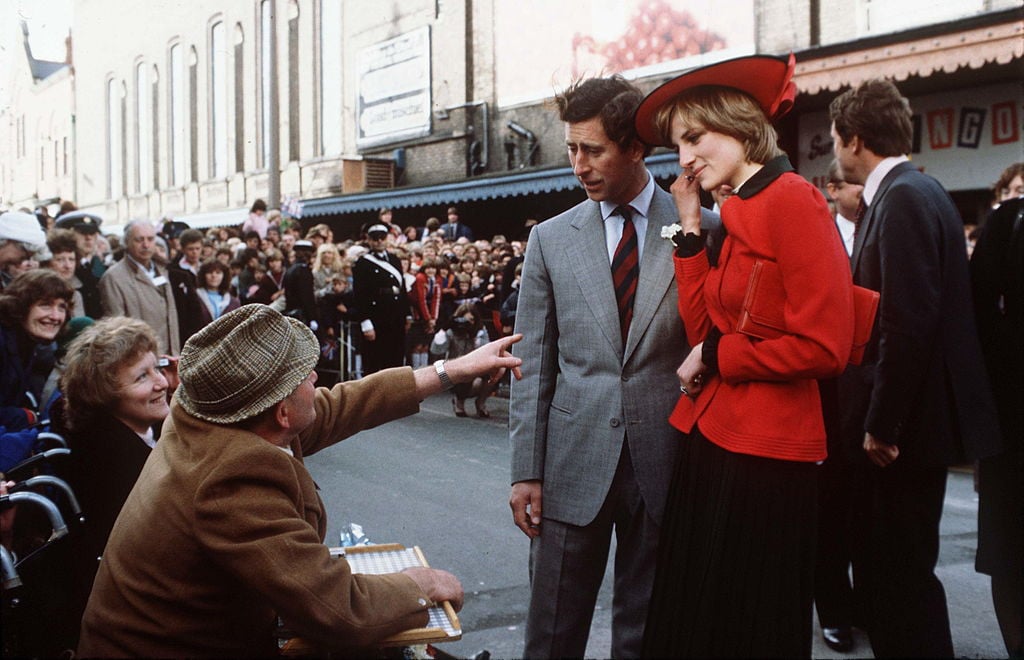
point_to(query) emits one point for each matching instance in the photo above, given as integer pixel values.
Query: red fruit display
(657, 32)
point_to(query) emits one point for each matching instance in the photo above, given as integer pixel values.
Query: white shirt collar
(148, 438)
(874, 179)
(151, 271)
(641, 203)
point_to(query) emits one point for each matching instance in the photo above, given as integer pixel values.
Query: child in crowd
(465, 334)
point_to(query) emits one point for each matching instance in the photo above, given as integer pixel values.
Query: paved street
(442, 483)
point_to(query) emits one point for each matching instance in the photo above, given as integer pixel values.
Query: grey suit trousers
(574, 558)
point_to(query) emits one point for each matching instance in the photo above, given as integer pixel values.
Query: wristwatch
(446, 382)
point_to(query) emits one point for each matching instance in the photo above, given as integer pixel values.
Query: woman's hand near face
(686, 194)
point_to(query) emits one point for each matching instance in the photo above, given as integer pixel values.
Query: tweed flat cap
(243, 363)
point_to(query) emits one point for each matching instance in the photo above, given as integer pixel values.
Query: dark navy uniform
(381, 300)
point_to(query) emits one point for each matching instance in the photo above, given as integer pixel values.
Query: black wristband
(709, 350)
(688, 245)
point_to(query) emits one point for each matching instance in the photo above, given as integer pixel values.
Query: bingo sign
(394, 89)
(964, 138)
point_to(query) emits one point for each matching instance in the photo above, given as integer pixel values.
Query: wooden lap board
(380, 559)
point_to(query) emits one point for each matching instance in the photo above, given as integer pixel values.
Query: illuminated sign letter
(940, 128)
(1005, 126)
(972, 120)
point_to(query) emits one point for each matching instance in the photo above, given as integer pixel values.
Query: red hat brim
(768, 79)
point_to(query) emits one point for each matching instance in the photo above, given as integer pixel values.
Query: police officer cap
(87, 223)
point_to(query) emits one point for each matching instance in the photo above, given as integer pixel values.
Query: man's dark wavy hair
(613, 99)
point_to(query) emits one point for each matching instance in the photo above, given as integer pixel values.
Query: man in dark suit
(592, 449)
(453, 229)
(183, 271)
(921, 400)
(382, 303)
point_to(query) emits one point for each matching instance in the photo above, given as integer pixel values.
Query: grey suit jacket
(582, 391)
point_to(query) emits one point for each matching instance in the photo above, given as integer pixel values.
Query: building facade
(421, 104)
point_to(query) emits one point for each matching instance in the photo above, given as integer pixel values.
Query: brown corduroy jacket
(224, 531)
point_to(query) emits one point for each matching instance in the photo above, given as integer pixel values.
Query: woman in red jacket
(736, 564)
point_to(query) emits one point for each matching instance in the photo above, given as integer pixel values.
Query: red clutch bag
(762, 317)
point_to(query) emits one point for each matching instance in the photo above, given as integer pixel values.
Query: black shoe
(838, 639)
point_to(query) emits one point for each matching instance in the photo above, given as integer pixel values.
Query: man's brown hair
(876, 112)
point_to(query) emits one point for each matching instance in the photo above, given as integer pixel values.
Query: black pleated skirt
(736, 559)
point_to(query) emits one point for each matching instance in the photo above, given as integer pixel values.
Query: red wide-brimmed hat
(768, 79)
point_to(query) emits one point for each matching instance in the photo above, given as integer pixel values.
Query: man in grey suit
(592, 450)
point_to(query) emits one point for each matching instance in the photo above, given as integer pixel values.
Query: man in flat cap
(224, 529)
(20, 236)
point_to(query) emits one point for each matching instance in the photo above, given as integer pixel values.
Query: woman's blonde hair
(327, 247)
(723, 110)
(94, 361)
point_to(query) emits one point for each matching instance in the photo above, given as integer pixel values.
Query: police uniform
(90, 269)
(382, 305)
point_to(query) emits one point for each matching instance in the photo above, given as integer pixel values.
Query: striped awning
(531, 182)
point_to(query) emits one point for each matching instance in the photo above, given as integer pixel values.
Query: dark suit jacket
(922, 385)
(299, 291)
(997, 273)
(457, 231)
(184, 283)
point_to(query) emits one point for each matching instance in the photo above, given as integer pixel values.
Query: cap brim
(768, 79)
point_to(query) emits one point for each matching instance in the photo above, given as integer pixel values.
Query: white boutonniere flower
(669, 231)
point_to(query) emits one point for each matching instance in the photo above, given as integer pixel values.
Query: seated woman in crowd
(115, 393)
(33, 311)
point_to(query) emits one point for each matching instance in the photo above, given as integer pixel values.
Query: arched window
(114, 145)
(329, 82)
(239, 109)
(176, 115)
(265, 133)
(154, 103)
(143, 132)
(193, 114)
(218, 101)
(294, 98)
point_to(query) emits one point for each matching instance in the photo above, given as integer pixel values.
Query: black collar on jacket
(772, 170)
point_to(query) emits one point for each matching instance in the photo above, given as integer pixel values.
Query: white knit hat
(23, 228)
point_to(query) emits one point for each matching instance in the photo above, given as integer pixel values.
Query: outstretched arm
(490, 361)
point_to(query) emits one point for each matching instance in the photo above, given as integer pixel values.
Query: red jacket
(426, 306)
(764, 400)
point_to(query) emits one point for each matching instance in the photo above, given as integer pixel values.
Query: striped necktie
(626, 270)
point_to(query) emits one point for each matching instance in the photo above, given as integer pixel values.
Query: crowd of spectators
(178, 279)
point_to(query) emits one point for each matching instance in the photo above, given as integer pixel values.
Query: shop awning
(489, 187)
(214, 218)
(970, 44)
